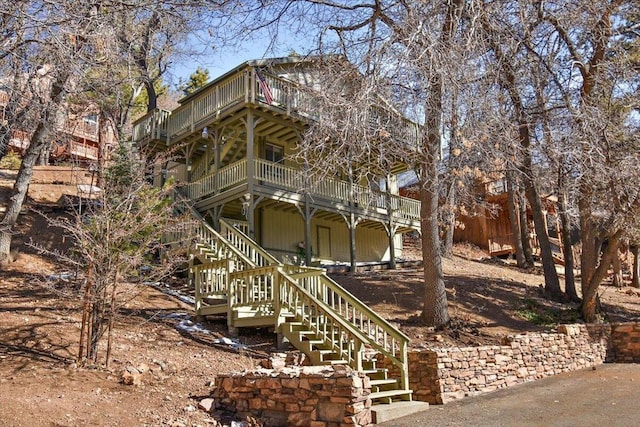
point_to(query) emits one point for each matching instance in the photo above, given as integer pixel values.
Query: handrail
(299, 300)
(207, 235)
(244, 243)
(308, 293)
(381, 334)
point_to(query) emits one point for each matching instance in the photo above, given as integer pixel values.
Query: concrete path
(606, 397)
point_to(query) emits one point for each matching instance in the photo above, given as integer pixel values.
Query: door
(324, 242)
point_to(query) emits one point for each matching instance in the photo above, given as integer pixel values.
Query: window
(274, 153)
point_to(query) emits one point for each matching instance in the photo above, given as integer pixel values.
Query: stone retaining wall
(338, 396)
(441, 375)
(622, 339)
(314, 396)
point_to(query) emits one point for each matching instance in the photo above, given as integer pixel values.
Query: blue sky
(222, 59)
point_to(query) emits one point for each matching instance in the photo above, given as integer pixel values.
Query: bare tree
(63, 51)
(117, 237)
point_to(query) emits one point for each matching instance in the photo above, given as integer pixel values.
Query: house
(78, 137)
(258, 217)
(488, 226)
(235, 137)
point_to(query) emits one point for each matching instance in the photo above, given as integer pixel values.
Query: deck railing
(292, 179)
(244, 86)
(216, 182)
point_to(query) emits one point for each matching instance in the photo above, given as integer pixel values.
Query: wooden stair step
(388, 395)
(383, 382)
(335, 362)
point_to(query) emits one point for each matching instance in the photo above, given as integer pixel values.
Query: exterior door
(324, 242)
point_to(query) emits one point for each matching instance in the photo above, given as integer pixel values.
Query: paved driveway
(606, 397)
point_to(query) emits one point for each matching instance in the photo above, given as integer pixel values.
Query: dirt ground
(40, 383)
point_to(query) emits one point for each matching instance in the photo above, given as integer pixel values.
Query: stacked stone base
(297, 396)
(328, 396)
(441, 375)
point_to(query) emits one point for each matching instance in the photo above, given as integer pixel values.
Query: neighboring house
(78, 137)
(236, 136)
(488, 226)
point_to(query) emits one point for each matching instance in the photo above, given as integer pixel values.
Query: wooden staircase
(233, 275)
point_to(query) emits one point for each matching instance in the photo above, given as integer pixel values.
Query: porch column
(391, 230)
(390, 227)
(352, 242)
(307, 215)
(250, 206)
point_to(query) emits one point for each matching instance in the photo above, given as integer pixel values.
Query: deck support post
(307, 215)
(391, 230)
(250, 207)
(352, 223)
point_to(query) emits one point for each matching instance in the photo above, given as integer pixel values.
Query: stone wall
(623, 340)
(441, 375)
(315, 396)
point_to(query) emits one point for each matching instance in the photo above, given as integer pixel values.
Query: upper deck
(239, 89)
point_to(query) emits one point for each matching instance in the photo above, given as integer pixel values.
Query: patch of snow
(187, 325)
(167, 290)
(65, 276)
(233, 343)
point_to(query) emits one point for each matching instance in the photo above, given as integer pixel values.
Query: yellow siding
(282, 231)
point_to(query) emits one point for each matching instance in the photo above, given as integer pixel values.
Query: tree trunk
(450, 222)
(588, 240)
(513, 222)
(524, 230)
(435, 310)
(617, 270)
(39, 140)
(551, 281)
(567, 249)
(590, 288)
(552, 284)
(635, 279)
(19, 192)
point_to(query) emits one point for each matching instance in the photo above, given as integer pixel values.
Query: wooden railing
(219, 181)
(246, 245)
(244, 87)
(288, 178)
(336, 332)
(380, 334)
(152, 125)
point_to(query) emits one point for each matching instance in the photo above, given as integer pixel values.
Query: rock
(206, 404)
(129, 378)
(190, 408)
(143, 368)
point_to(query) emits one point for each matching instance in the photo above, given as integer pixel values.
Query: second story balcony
(291, 185)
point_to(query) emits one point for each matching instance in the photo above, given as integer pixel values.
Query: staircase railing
(337, 333)
(343, 322)
(247, 246)
(381, 335)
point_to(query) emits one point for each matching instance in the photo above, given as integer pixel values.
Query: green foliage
(197, 79)
(11, 161)
(532, 311)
